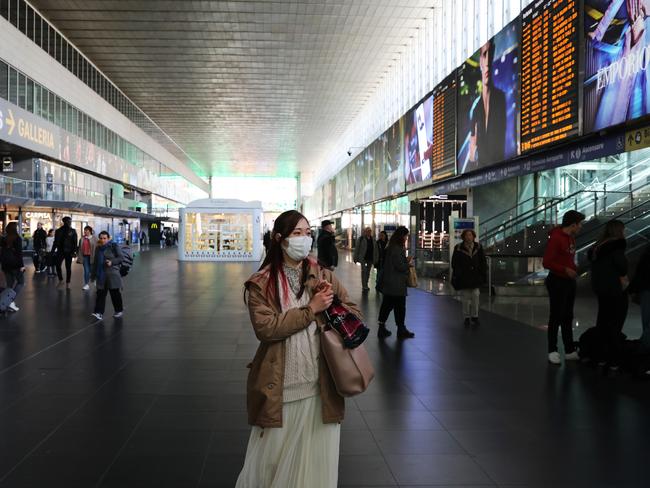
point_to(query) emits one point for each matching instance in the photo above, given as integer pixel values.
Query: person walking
(640, 290)
(12, 261)
(382, 242)
(38, 243)
(65, 249)
(328, 255)
(106, 273)
(393, 285)
(49, 256)
(366, 253)
(609, 281)
(469, 270)
(86, 255)
(293, 406)
(559, 259)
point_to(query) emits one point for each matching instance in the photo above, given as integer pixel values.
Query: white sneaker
(554, 357)
(13, 307)
(98, 316)
(572, 356)
(118, 315)
(85, 287)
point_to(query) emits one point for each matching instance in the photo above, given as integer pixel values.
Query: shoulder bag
(412, 278)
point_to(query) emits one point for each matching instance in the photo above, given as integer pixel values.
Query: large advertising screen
(443, 156)
(418, 136)
(488, 95)
(549, 73)
(617, 44)
(395, 158)
(381, 170)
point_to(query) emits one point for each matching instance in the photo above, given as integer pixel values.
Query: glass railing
(58, 192)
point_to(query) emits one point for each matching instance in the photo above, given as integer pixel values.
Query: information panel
(549, 73)
(443, 156)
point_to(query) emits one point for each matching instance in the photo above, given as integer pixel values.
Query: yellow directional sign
(11, 123)
(637, 139)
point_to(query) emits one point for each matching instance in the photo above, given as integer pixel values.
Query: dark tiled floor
(157, 400)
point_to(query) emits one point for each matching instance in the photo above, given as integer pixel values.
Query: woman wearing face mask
(292, 402)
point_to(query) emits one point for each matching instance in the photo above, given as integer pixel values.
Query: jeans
(68, 266)
(644, 297)
(390, 303)
(36, 258)
(469, 301)
(116, 298)
(612, 311)
(87, 268)
(15, 279)
(366, 268)
(561, 296)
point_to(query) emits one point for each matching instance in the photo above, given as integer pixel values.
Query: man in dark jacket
(559, 259)
(38, 243)
(328, 256)
(65, 249)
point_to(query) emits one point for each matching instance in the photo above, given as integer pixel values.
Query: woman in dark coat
(393, 285)
(609, 281)
(469, 268)
(106, 273)
(12, 261)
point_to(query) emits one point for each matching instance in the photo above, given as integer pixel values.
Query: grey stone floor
(158, 398)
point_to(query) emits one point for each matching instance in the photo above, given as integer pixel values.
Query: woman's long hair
(282, 228)
(12, 233)
(614, 229)
(397, 239)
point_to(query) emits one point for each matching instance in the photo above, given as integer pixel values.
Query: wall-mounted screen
(617, 45)
(395, 158)
(418, 135)
(488, 95)
(549, 73)
(443, 156)
(381, 170)
(368, 180)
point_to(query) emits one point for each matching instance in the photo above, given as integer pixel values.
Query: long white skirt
(304, 453)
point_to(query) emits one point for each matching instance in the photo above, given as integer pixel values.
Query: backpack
(127, 260)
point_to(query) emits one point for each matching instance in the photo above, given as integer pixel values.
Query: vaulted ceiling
(244, 87)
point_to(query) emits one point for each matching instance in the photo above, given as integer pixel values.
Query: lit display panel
(418, 133)
(488, 102)
(443, 156)
(617, 55)
(549, 73)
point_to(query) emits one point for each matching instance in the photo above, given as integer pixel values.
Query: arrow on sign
(11, 122)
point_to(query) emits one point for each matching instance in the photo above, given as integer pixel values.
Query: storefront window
(218, 234)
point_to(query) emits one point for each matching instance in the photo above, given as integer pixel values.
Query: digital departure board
(443, 156)
(549, 73)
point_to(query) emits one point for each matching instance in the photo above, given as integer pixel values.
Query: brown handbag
(351, 369)
(412, 279)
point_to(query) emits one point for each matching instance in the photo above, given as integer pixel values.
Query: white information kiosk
(221, 230)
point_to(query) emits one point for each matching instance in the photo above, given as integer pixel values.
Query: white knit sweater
(302, 350)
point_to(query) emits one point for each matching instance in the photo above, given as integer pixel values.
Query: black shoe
(467, 322)
(475, 321)
(404, 333)
(383, 332)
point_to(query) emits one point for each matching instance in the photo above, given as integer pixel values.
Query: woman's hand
(108, 263)
(322, 300)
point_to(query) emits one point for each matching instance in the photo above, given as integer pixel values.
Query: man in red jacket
(559, 259)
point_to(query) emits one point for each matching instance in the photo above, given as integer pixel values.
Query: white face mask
(298, 247)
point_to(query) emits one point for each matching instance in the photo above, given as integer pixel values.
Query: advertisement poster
(418, 143)
(488, 94)
(617, 43)
(395, 158)
(368, 156)
(381, 170)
